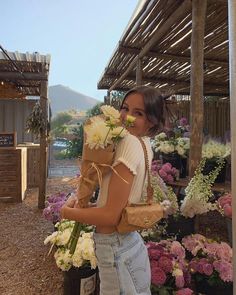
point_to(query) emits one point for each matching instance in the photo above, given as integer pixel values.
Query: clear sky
(80, 36)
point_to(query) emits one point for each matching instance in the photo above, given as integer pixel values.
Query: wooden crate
(13, 175)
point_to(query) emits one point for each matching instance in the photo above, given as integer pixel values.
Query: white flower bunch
(104, 131)
(215, 149)
(198, 192)
(167, 145)
(84, 253)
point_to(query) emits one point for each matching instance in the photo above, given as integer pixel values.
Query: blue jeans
(123, 264)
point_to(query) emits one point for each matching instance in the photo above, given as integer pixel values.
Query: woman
(122, 258)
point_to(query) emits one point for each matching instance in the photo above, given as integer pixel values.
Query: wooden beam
(163, 80)
(4, 76)
(139, 72)
(196, 88)
(232, 74)
(178, 58)
(43, 146)
(175, 17)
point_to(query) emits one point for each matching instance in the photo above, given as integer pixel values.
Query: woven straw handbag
(138, 216)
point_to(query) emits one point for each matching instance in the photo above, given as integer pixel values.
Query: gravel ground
(26, 268)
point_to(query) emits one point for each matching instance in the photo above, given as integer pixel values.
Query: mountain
(63, 98)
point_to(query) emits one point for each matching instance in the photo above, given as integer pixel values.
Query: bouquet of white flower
(84, 253)
(101, 134)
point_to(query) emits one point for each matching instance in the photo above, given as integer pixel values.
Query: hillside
(63, 98)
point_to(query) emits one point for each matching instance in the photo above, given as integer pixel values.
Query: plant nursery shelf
(217, 187)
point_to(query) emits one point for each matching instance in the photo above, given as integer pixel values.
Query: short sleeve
(129, 151)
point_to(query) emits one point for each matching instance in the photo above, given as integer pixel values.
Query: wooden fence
(216, 115)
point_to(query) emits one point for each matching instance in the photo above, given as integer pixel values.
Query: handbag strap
(149, 186)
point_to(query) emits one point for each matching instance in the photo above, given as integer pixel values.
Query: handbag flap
(143, 216)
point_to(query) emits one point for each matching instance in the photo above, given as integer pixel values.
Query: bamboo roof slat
(160, 34)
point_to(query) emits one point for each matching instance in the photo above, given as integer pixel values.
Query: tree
(61, 119)
(94, 111)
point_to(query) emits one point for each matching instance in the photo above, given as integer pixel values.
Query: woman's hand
(71, 202)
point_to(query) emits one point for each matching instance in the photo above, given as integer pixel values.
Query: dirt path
(26, 268)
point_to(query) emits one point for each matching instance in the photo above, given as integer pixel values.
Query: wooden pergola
(25, 74)
(183, 47)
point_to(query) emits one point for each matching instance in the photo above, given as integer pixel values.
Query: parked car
(61, 143)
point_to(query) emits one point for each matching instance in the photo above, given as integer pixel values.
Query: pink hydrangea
(158, 276)
(225, 270)
(225, 202)
(179, 281)
(184, 291)
(166, 264)
(167, 172)
(178, 250)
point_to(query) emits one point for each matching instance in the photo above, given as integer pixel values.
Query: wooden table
(217, 187)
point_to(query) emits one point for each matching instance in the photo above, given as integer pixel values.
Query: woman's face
(134, 106)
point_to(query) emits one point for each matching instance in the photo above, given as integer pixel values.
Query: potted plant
(169, 269)
(80, 268)
(210, 264)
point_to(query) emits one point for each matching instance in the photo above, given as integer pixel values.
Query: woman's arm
(109, 215)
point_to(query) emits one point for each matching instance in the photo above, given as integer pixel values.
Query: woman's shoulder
(130, 141)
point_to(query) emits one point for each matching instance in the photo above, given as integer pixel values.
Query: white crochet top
(129, 151)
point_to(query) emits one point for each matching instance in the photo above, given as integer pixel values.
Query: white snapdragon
(215, 149)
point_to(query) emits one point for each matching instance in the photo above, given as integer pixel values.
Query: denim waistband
(114, 238)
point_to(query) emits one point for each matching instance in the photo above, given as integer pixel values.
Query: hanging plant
(35, 122)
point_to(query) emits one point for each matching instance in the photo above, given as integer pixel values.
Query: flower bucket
(81, 281)
(203, 287)
(176, 161)
(229, 229)
(180, 226)
(211, 165)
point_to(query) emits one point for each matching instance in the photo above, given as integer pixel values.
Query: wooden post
(232, 83)
(108, 98)
(43, 146)
(196, 88)
(139, 72)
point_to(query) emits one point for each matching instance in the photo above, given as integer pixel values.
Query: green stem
(107, 135)
(74, 237)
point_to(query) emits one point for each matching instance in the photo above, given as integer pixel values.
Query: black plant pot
(211, 165)
(180, 226)
(81, 280)
(203, 287)
(176, 161)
